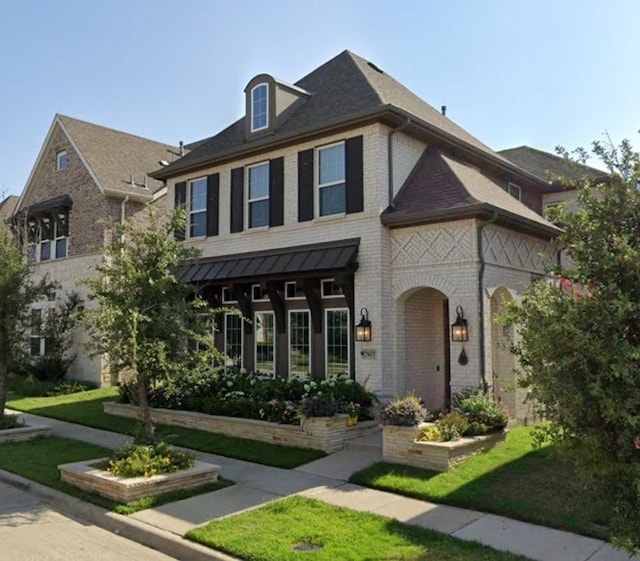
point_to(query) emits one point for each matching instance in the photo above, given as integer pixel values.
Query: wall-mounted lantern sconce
(459, 328)
(363, 329)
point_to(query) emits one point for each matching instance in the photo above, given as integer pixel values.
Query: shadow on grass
(537, 486)
(86, 409)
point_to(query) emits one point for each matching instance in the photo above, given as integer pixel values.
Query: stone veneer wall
(399, 446)
(320, 433)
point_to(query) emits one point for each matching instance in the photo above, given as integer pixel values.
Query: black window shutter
(180, 200)
(305, 185)
(354, 175)
(276, 192)
(237, 200)
(213, 203)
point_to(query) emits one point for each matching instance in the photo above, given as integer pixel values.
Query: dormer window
(259, 107)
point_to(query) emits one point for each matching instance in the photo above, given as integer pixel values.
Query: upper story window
(258, 196)
(259, 107)
(515, 191)
(331, 180)
(61, 160)
(198, 208)
(331, 289)
(47, 237)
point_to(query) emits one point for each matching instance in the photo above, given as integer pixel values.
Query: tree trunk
(144, 411)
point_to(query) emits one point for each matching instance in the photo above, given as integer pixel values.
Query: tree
(145, 317)
(579, 339)
(18, 290)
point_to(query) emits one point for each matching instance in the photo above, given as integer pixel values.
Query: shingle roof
(547, 166)
(346, 86)
(8, 206)
(441, 186)
(115, 157)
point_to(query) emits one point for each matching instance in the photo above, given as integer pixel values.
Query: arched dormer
(269, 102)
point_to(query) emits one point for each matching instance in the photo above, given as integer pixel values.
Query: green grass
(512, 479)
(38, 460)
(85, 408)
(271, 533)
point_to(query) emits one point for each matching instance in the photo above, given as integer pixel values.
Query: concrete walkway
(326, 480)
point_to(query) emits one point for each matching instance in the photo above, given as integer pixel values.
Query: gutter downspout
(481, 227)
(123, 208)
(390, 156)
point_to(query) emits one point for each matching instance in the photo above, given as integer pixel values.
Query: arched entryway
(426, 346)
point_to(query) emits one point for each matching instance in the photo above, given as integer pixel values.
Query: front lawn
(85, 408)
(512, 480)
(38, 460)
(301, 528)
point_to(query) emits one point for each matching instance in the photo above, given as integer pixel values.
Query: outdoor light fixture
(459, 328)
(363, 329)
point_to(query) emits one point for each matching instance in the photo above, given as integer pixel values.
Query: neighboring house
(553, 169)
(85, 176)
(345, 197)
(7, 207)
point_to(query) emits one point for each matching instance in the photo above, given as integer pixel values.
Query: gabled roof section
(549, 167)
(441, 187)
(119, 161)
(8, 206)
(345, 89)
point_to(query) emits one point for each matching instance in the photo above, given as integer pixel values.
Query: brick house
(84, 176)
(345, 198)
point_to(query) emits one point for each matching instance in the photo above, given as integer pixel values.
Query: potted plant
(353, 410)
(405, 411)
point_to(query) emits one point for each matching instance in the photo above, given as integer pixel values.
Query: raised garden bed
(91, 476)
(399, 446)
(320, 433)
(24, 433)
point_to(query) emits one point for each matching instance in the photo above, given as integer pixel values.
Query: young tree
(18, 291)
(579, 339)
(145, 317)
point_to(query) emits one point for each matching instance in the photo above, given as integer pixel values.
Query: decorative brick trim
(423, 280)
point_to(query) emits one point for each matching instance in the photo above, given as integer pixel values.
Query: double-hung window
(233, 339)
(61, 160)
(331, 180)
(198, 208)
(47, 229)
(36, 340)
(258, 196)
(265, 347)
(259, 107)
(61, 234)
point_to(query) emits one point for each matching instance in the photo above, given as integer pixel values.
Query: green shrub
(11, 422)
(405, 411)
(453, 425)
(483, 413)
(431, 433)
(146, 460)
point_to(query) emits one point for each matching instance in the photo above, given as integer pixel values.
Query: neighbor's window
(36, 339)
(514, 190)
(198, 208)
(331, 180)
(264, 323)
(61, 160)
(258, 196)
(233, 340)
(299, 343)
(337, 341)
(259, 107)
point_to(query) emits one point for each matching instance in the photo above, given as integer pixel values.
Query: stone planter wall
(321, 433)
(89, 476)
(399, 446)
(24, 433)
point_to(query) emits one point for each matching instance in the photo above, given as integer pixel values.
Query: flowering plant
(351, 408)
(405, 411)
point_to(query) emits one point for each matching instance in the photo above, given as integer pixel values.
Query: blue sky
(512, 72)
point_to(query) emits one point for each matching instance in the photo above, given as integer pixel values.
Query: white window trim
(59, 156)
(322, 283)
(255, 339)
(253, 297)
(248, 201)
(226, 315)
(308, 312)
(515, 186)
(190, 212)
(286, 292)
(227, 297)
(252, 107)
(326, 338)
(319, 186)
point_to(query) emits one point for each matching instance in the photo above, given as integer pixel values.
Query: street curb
(135, 530)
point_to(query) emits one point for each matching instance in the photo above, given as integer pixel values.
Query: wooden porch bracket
(242, 293)
(311, 289)
(275, 292)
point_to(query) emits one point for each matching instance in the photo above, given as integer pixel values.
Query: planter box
(89, 476)
(399, 445)
(321, 433)
(24, 433)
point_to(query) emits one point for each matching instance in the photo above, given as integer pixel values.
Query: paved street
(31, 531)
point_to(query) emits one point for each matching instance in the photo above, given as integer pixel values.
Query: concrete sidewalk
(326, 480)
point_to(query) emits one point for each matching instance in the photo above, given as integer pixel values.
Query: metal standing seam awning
(277, 264)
